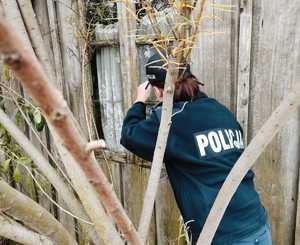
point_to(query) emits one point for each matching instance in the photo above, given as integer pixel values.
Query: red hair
(186, 87)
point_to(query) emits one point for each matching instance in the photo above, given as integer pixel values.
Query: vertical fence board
(297, 77)
(110, 89)
(167, 214)
(271, 77)
(134, 178)
(244, 66)
(213, 57)
(203, 53)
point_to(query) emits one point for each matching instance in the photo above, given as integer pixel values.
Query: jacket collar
(200, 95)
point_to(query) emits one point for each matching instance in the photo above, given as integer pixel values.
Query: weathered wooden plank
(128, 52)
(244, 65)
(272, 75)
(110, 96)
(71, 58)
(40, 10)
(134, 178)
(213, 57)
(224, 53)
(297, 75)
(168, 216)
(203, 53)
(66, 57)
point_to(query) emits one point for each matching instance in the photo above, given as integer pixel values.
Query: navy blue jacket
(204, 142)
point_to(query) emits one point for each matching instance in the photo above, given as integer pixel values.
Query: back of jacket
(204, 142)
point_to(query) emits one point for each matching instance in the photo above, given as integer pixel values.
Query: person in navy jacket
(204, 142)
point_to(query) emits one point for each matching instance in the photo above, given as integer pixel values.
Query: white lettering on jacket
(219, 140)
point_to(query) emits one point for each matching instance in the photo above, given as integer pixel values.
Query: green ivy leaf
(5, 166)
(37, 116)
(17, 176)
(18, 117)
(39, 121)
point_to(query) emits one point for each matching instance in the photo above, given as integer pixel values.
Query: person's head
(186, 86)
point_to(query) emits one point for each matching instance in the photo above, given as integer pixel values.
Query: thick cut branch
(159, 152)
(264, 136)
(12, 230)
(32, 215)
(58, 115)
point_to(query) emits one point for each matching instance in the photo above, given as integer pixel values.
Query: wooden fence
(249, 59)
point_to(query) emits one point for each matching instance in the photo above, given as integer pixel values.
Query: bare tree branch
(159, 152)
(175, 61)
(32, 215)
(12, 230)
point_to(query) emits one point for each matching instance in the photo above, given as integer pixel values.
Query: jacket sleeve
(138, 133)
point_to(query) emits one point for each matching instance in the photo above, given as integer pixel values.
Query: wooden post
(244, 66)
(128, 53)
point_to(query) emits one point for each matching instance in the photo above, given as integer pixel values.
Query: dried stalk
(32, 215)
(264, 136)
(54, 108)
(87, 84)
(12, 230)
(152, 17)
